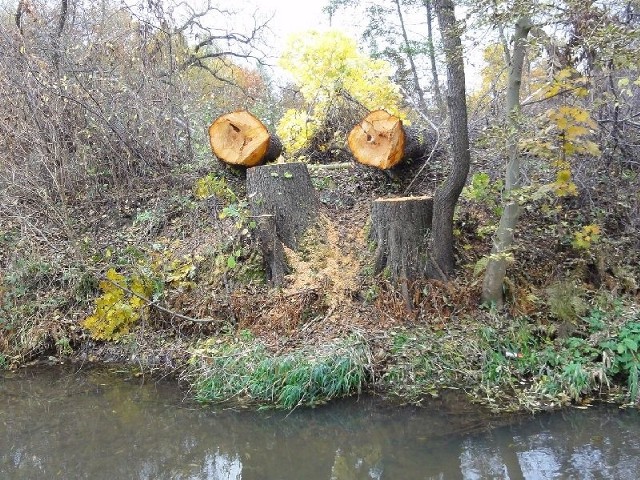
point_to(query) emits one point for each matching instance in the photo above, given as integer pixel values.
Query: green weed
(243, 369)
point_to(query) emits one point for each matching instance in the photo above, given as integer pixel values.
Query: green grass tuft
(243, 369)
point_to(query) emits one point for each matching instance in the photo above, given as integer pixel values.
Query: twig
(330, 166)
(433, 150)
(151, 303)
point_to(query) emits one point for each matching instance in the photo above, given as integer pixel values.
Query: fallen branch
(151, 303)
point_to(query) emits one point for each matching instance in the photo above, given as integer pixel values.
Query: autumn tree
(558, 69)
(497, 266)
(395, 31)
(339, 84)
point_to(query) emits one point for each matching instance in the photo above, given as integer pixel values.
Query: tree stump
(240, 139)
(282, 198)
(381, 141)
(399, 227)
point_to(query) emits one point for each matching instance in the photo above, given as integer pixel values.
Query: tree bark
(446, 196)
(492, 287)
(283, 200)
(432, 57)
(399, 227)
(412, 64)
(240, 139)
(381, 141)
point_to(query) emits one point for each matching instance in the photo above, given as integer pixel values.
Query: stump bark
(399, 227)
(283, 200)
(381, 141)
(240, 139)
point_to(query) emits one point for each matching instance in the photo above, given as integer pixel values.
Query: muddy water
(97, 424)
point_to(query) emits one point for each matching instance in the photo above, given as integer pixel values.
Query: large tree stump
(282, 198)
(399, 227)
(381, 141)
(239, 138)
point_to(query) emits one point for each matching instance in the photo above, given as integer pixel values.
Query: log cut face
(379, 140)
(239, 138)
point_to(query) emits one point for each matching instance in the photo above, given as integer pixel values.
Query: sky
(291, 16)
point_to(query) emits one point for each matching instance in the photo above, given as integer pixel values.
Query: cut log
(240, 139)
(399, 227)
(381, 141)
(284, 194)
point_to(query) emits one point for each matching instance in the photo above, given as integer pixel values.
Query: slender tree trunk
(412, 64)
(446, 196)
(432, 58)
(492, 290)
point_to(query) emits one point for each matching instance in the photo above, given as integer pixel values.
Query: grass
(242, 368)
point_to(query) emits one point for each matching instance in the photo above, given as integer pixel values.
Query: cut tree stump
(381, 141)
(240, 139)
(399, 227)
(283, 200)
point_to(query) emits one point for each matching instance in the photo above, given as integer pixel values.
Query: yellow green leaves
(566, 80)
(584, 238)
(564, 186)
(328, 68)
(296, 128)
(210, 186)
(119, 307)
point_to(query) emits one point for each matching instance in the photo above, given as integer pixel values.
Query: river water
(61, 423)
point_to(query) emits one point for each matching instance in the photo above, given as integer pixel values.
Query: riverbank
(173, 284)
(511, 367)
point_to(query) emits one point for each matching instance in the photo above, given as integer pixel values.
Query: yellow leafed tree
(331, 73)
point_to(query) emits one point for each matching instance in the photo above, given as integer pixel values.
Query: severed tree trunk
(381, 141)
(442, 260)
(240, 139)
(399, 227)
(492, 288)
(283, 200)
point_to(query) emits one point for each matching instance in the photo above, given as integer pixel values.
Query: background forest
(123, 238)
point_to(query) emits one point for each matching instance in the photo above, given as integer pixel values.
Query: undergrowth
(521, 365)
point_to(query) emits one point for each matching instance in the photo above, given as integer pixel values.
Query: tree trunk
(381, 141)
(399, 227)
(282, 198)
(412, 64)
(446, 196)
(239, 138)
(432, 58)
(492, 288)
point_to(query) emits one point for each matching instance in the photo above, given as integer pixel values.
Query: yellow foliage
(296, 128)
(116, 310)
(564, 186)
(325, 65)
(584, 238)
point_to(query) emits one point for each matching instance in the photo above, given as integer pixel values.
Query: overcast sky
(291, 16)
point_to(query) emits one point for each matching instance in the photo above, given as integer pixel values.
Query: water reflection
(94, 425)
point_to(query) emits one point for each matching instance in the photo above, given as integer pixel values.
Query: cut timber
(381, 141)
(283, 196)
(399, 227)
(239, 138)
